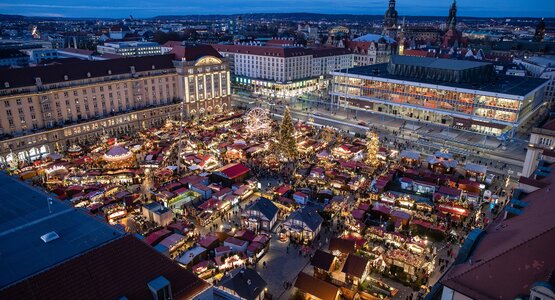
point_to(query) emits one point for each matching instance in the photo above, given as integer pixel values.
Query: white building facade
(130, 48)
(282, 71)
(541, 67)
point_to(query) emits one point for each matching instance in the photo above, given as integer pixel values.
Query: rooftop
(85, 69)
(121, 268)
(189, 52)
(374, 38)
(265, 206)
(24, 218)
(279, 50)
(449, 73)
(247, 283)
(316, 287)
(323, 260)
(309, 216)
(511, 254)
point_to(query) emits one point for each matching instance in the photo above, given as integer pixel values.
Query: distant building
(541, 67)
(41, 54)
(539, 34)
(13, 58)
(390, 25)
(118, 32)
(457, 93)
(130, 48)
(371, 49)
(452, 37)
(540, 147)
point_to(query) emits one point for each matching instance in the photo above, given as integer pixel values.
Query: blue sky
(149, 8)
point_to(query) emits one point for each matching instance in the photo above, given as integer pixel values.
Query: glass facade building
(447, 92)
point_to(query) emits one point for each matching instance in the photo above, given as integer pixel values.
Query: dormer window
(65, 77)
(160, 288)
(88, 74)
(6, 84)
(109, 72)
(153, 67)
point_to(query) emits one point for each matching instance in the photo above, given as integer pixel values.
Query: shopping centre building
(45, 109)
(467, 95)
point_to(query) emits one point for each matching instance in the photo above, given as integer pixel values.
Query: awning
(453, 210)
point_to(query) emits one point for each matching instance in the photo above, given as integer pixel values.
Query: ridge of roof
(482, 262)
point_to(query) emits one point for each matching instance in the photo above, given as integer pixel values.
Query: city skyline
(146, 9)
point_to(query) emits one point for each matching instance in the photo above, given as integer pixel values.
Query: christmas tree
(286, 136)
(372, 147)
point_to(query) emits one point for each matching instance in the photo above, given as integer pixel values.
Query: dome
(117, 153)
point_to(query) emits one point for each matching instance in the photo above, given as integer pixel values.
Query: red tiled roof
(532, 182)
(355, 265)
(513, 253)
(193, 52)
(550, 125)
(233, 171)
(279, 51)
(263, 50)
(120, 268)
(156, 236)
(235, 241)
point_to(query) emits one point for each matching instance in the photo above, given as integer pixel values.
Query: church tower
(452, 19)
(540, 32)
(390, 20)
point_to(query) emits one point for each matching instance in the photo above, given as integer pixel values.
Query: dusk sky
(149, 8)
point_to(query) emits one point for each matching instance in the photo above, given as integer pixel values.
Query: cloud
(50, 6)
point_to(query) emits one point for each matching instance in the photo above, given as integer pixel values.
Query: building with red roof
(513, 257)
(236, 172)
(62, 253)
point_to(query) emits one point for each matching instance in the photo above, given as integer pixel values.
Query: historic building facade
(390, 21)
(46, 108)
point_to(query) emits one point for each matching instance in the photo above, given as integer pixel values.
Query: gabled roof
(316, 287)
(122, 268)
(342, 245)
(233, 171)
(247, 283)
(355, 265)
(265, 206)
(193, 52)
(309, 216)
(322, 260)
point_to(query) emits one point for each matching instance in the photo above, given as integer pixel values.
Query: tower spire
(452, 19)
(390, 20)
